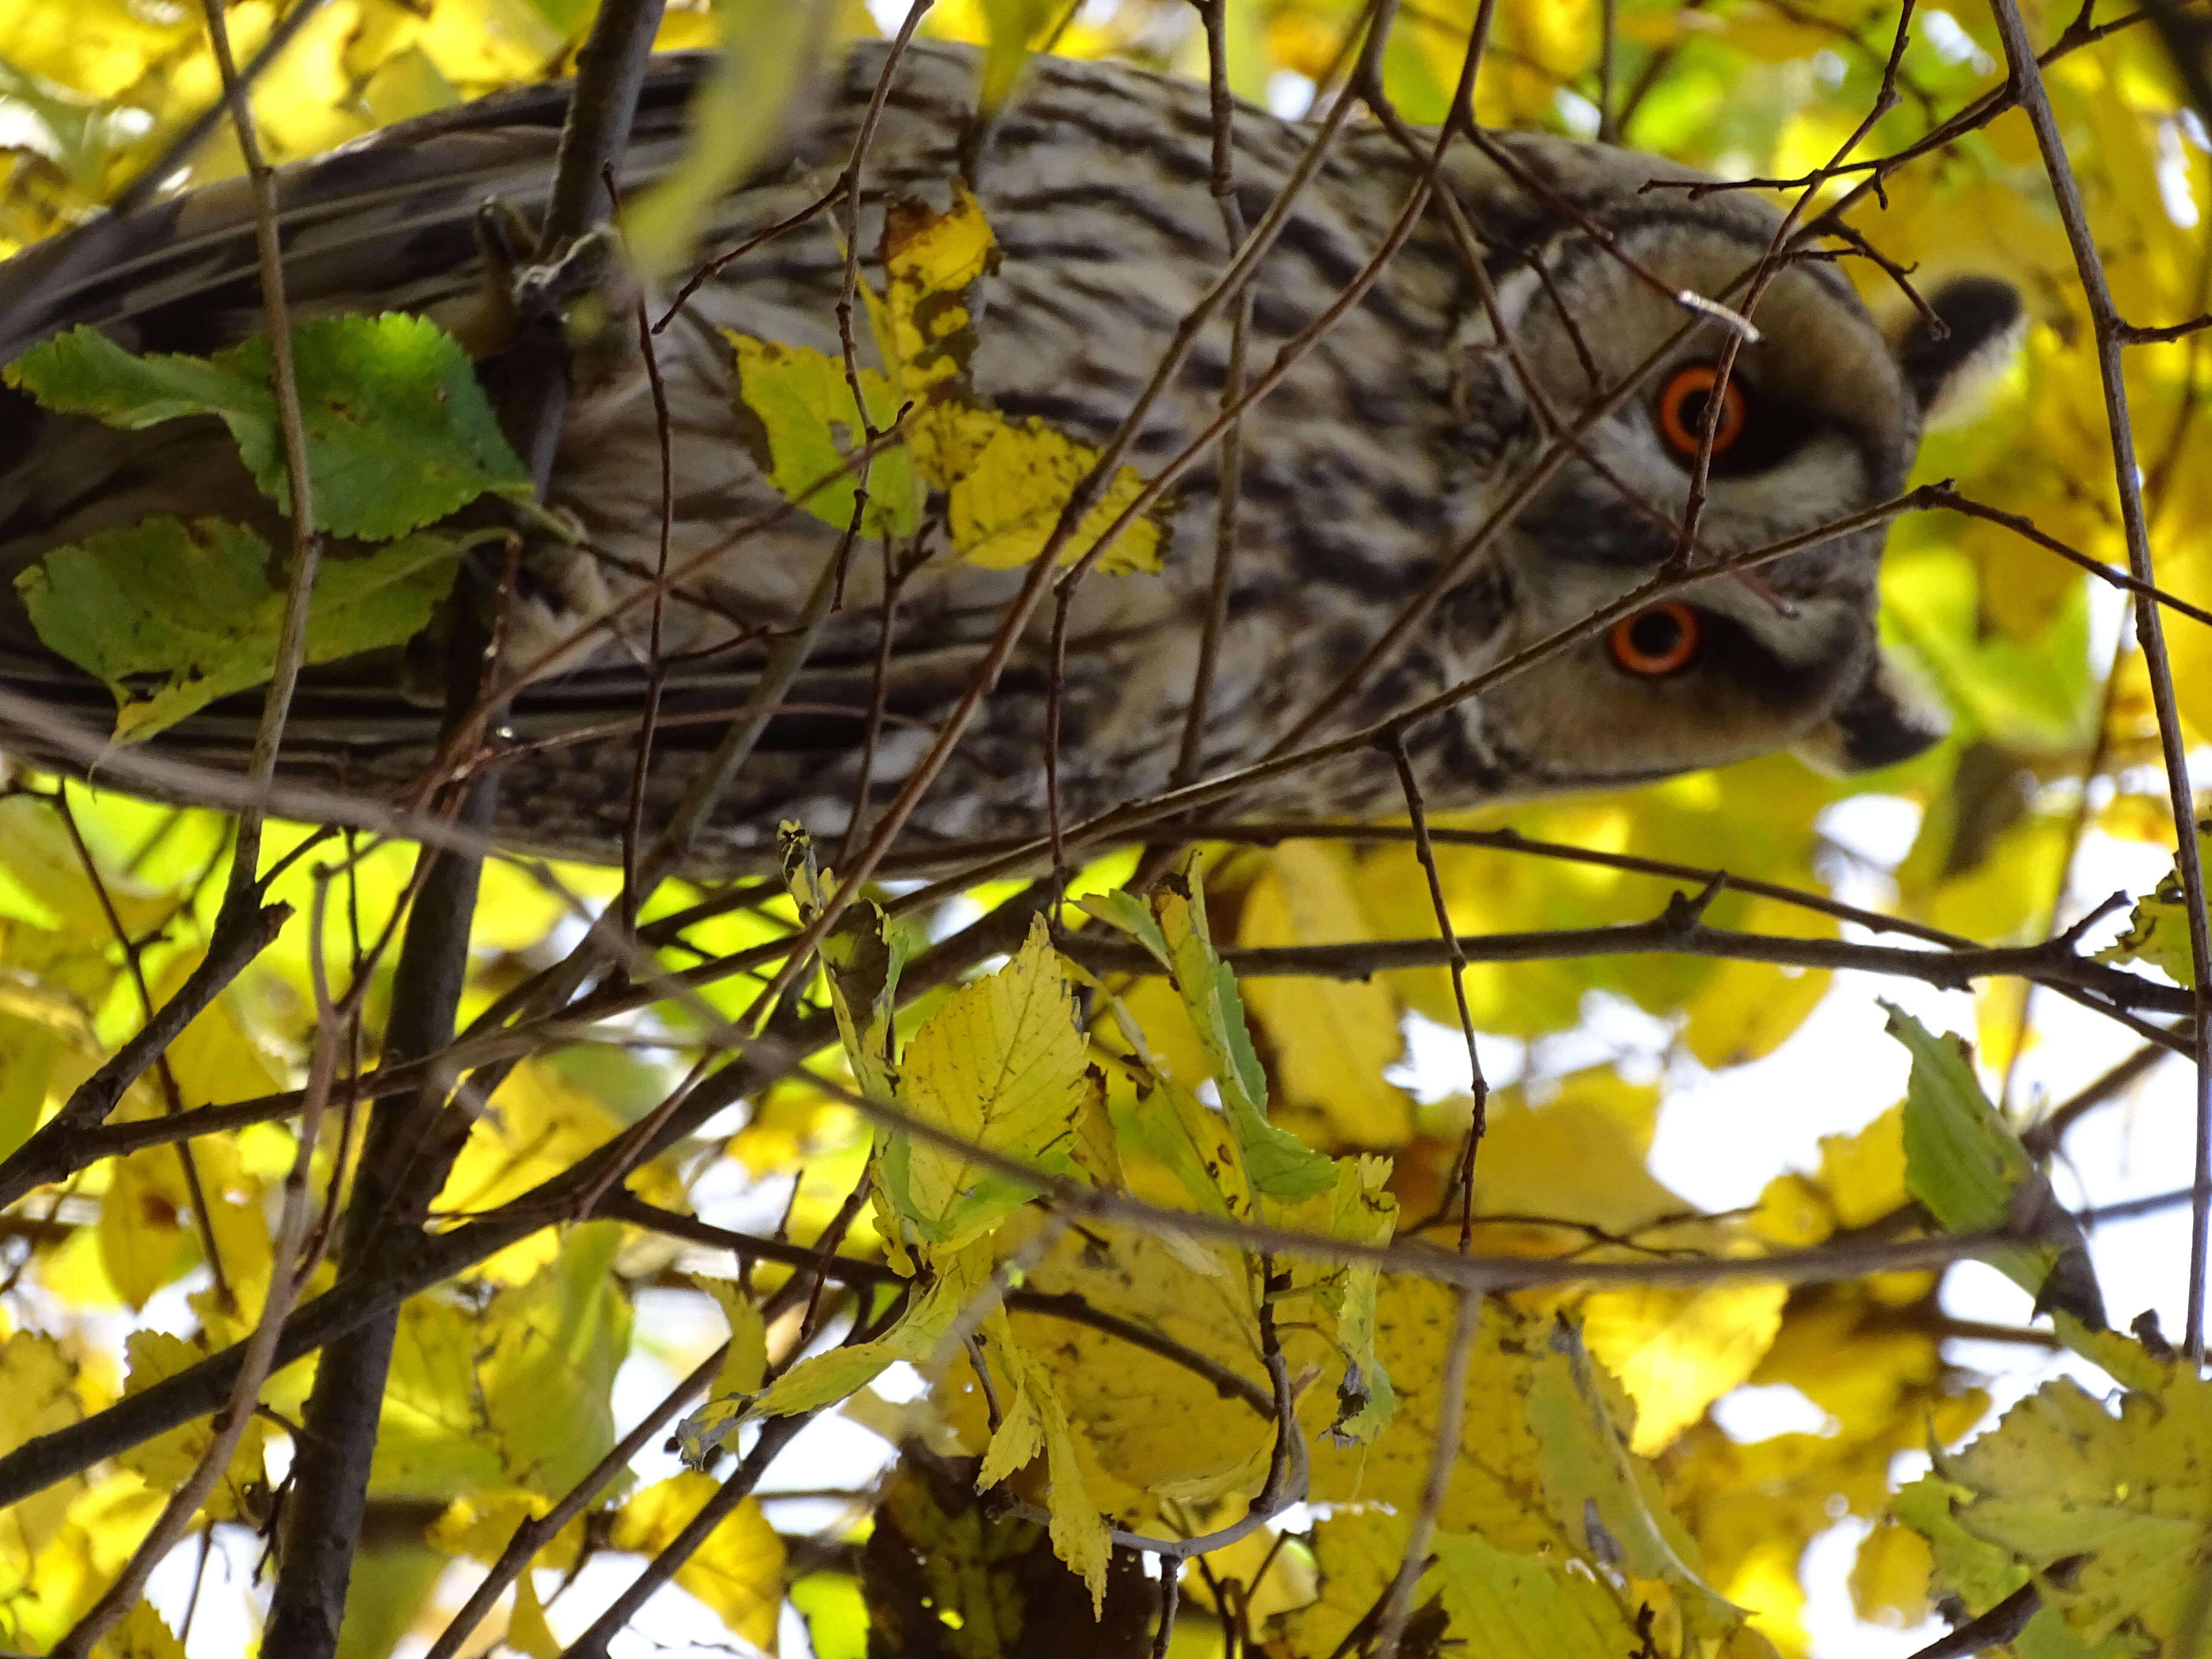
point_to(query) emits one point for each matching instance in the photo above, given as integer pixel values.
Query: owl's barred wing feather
(1386, 444)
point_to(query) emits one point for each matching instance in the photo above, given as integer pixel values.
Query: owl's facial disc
(1819, 418)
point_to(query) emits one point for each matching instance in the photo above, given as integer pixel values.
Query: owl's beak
(1889, 717)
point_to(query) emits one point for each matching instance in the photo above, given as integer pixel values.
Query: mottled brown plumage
(1383, 451)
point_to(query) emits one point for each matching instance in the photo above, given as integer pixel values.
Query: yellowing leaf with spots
(1003, 1066)
(2120, 1495)
(805, 425)
(931, 265)
(737, 1571)
(1006, 483)
(2157, 927)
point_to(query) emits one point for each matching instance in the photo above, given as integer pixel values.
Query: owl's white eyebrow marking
(1735, 322)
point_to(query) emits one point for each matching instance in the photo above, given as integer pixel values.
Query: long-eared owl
(1384, 450)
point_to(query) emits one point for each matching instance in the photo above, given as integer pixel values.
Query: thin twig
(2027, 83)
(1464, 1166)
(534, 1534)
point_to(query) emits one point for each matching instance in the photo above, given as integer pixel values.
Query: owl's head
(1821, 417)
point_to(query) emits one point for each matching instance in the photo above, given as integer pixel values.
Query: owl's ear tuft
(1983, 324)
(1890, 717)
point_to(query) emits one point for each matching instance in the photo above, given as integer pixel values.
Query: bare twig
(534, 1534)
(1456, 957)
(2028, 84)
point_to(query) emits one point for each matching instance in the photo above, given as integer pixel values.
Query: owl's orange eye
(1660, 640)
(1682, 403)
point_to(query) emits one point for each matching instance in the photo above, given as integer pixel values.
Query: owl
(1389, 446)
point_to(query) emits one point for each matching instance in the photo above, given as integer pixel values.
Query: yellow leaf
(1003, 1066)
(546, 1354)
(37, 1396)
(1272, 1575)
(1006, 482)
(434, 1437)
(1151, 1422)
(97, 48)
(143, 1244)
(215, 1060)
(527, 1632)
(1571, 1160)
(1678, 1351)
(1745, 1009)
(1863, 1174)
(806, 414)
(931, 265)
(481, 1525)
(1890, 1576)
(1038, 1419)
(537, 1125)
(2158, 929)
(140, 1634)
(1011, 483)
(1332, 1038)
(963, 1276)
(165, 1461)
(746, 1363)
(737, 1571)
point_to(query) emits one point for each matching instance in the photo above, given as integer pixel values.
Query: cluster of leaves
(399, 436)
(1053, 1160)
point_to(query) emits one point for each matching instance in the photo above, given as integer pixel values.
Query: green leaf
(199, 605)
(861, 957)
(1522, 1605)
(962, 1277)
(1607, 1498)
(1280, 1165)
(398, 432)
(1963, 1162)
(1128, 912)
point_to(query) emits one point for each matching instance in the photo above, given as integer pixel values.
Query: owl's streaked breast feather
(1382, 450)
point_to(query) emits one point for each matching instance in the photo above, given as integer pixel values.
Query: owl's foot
(586, 290)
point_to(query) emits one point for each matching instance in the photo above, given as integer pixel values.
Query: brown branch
(1994, 1629)
(412, 1139)
(1456, 962)
(1677, 932)
(775, 1433)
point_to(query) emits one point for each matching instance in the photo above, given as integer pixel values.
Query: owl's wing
(385, 215)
